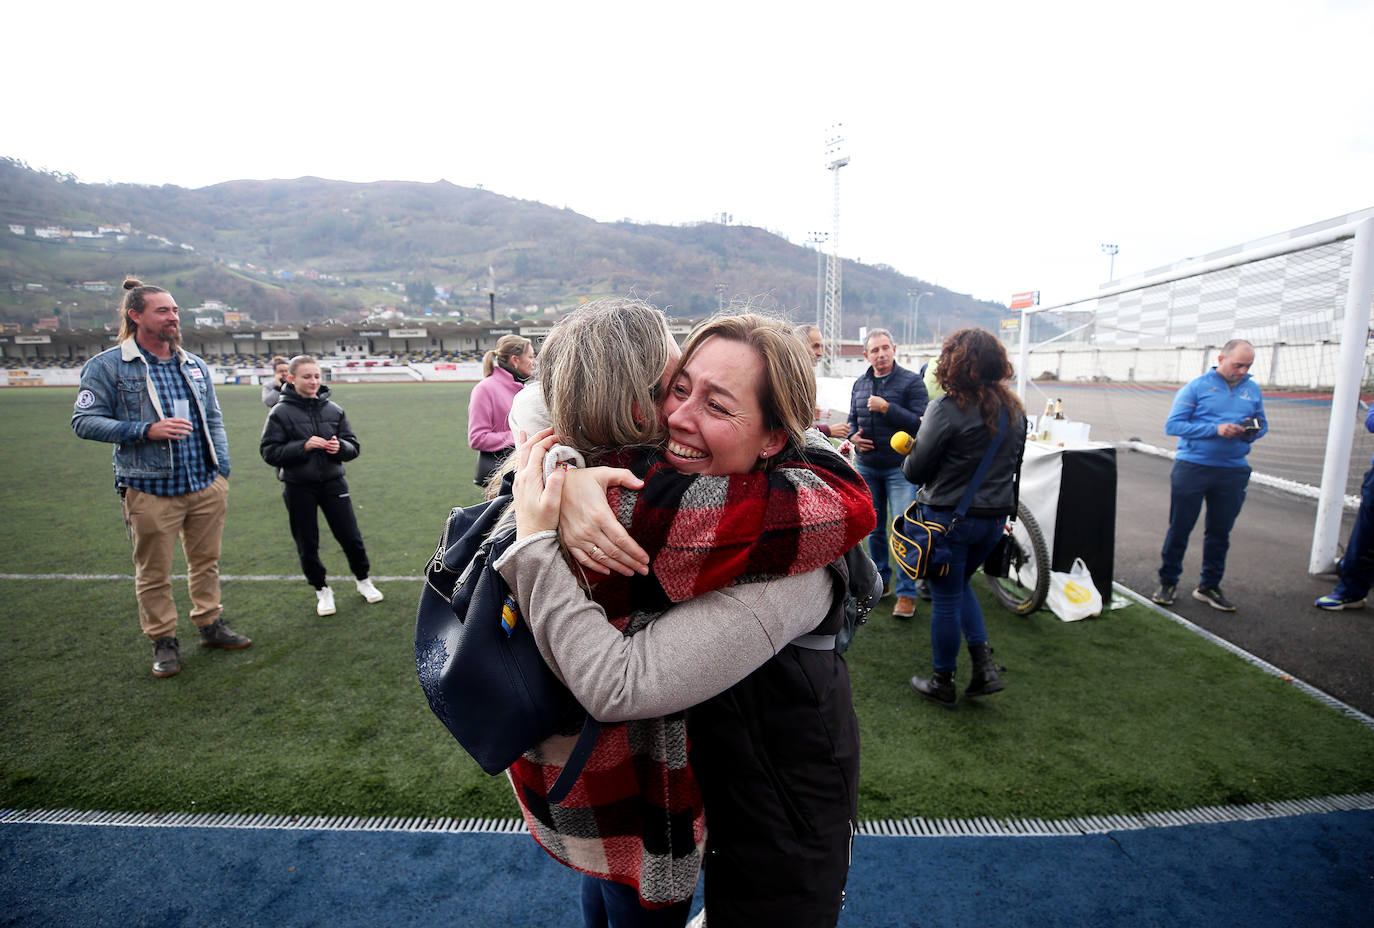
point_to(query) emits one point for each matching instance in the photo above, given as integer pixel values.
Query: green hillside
(310, 249)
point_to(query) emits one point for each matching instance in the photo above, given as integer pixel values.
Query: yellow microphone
(901, 443)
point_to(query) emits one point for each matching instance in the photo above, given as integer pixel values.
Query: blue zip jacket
(1202, 405)
(115, 404)
(907, 394)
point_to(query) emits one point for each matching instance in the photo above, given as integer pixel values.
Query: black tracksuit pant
(331, 496)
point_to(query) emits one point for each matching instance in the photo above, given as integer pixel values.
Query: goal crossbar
(1359, 298)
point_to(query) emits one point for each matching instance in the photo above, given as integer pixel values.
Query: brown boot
(219, 635)
(166, 657)
(905, 608)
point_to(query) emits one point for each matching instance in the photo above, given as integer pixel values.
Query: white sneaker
(370, 592)
(325, 604)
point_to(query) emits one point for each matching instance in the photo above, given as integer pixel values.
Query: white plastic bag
(1072, 595)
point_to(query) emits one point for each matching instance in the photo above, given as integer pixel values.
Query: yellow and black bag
(916, 544)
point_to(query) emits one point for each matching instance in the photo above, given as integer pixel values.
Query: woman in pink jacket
(504, 372)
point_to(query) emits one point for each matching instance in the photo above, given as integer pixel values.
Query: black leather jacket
(294, 420)
(948, 448)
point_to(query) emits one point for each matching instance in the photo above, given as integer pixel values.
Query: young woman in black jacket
(955, 433)
(308, 439)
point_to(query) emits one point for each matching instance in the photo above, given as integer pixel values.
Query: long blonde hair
(599, 370)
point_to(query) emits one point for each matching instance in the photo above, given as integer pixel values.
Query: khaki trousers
(154, 523)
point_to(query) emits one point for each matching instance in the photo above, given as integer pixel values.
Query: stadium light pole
(819, 239)
(1111, 249)
(915, 314)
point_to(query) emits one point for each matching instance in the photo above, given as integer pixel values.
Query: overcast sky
(995, 146)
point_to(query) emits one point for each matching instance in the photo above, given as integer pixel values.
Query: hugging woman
(742, 516)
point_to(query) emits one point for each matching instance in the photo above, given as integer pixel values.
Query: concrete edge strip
(896, 828)
(1322, 697)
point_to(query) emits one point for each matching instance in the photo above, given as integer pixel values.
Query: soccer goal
(1116, 358)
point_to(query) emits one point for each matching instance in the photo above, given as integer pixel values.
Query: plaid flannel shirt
(191, 468)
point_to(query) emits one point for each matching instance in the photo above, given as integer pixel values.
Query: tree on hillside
(420, 292)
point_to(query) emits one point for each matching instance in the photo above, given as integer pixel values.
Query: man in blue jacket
(886, 399)
(156, 403)
(1217, 417)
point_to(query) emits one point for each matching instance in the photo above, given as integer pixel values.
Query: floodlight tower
(1110, 248)
(835, 158)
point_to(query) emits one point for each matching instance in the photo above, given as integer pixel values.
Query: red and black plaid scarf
(635, 814)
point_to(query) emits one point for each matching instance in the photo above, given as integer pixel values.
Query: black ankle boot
(939, 689)
(985, 680)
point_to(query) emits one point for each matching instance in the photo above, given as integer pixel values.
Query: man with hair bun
(156, 403)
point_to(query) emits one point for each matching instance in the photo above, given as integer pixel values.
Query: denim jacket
(115, 404)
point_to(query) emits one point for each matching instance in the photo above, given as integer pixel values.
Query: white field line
(223, 577)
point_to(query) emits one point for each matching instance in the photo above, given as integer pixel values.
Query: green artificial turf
(323, 716)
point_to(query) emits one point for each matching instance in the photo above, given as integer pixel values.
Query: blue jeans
(954, 610)
(1357, 567)
(608, 904)
(1223, 489)
(892, 493)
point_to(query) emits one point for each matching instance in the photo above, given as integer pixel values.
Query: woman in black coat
(308, 439)
(956, 432)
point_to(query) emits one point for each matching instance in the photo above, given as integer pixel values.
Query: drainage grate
(899, 828)
(1096, 825)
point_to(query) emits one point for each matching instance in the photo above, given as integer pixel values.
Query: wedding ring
(598, 553)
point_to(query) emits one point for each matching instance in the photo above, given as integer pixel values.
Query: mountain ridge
(313, 248)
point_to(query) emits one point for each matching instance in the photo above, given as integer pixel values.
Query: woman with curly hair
(957, 429)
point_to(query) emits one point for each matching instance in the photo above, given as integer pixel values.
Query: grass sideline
(322, 716)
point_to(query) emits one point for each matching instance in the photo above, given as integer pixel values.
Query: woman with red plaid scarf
(774, 752)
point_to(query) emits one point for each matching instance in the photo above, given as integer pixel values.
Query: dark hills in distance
(310, 249)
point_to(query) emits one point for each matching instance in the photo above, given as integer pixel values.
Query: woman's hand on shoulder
(590, 531)
(537, 500)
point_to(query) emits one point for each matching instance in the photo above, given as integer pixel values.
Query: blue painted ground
(1302, 870)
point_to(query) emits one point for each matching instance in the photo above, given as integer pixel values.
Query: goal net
(1116, 359)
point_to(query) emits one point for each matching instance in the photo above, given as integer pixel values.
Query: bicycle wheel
(1025, 586)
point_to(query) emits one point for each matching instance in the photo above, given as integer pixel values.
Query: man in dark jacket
(886, 399)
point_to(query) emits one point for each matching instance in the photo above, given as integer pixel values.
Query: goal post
(1344, 396)
(1125, 349)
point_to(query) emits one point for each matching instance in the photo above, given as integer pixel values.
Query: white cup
(181, 409)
